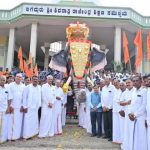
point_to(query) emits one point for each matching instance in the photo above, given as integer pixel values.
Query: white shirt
(16, 94)
(88, 98)
(138, 103)
(3, 99)
(32, 97)
(47, 94)
(107, 95)
(148, 106)
(116, 100)
(127, 96)
(64, 99)
(58, 92)
(123, 94)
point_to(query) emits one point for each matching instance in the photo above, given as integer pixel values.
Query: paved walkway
(73, 138)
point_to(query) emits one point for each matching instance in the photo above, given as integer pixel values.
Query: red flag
(148, 46)
(126, 50)
(36, 70)
(138, 44)
(20, 53)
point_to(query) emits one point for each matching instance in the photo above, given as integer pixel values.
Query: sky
(141, 6)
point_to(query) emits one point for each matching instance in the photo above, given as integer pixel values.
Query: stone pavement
(73, 138)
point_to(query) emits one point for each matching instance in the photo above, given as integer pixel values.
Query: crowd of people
(119, 107)
(115, 107)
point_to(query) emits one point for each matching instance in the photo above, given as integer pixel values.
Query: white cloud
(141, 6)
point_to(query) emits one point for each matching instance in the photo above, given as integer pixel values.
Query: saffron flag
(36, 70)
(20, 59)
(21, 65)
(30, 72)
(125, 47)
(138, 44)
(20, 53)
(148, 46)
(25, 66)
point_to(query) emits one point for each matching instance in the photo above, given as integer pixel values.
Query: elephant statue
(79, 58)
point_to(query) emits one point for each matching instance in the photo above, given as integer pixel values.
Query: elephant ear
(98, 59)
(59, 61)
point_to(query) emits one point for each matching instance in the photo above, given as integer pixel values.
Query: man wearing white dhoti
(88, 100)
(126, 103)
(82, 108)
(31, 104)
(116, 108)
(122, 111)
(15, 106)
(27, 81)
(148, 112)
(137, 116)
(47, 121)
(64, 103)
(58, 96)
(63, 115)
(3, 110)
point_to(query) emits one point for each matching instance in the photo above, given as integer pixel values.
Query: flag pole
(130, 66)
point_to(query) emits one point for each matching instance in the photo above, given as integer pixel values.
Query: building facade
(36, 27)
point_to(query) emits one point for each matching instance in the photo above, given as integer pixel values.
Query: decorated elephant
(79, 58)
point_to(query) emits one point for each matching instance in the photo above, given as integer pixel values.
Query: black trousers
(107, 118)
(96, 117)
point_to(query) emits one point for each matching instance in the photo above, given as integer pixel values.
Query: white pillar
(11, 49)
(46, 58)
(117, 45)
(33, 40)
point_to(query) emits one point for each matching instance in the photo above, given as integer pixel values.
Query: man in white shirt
(125, 103)
(58, 97)
(89, 90)
(116, 108)
(148, 112)
(122, 111)
(107, 95)
(137, 115)
(82, 108)
(64, 103)
(15, 106)
(47, 121)
(3, 110)
(27, 81)
(31, 104)
(9, 79)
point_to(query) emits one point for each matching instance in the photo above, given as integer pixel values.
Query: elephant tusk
(68, 81)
